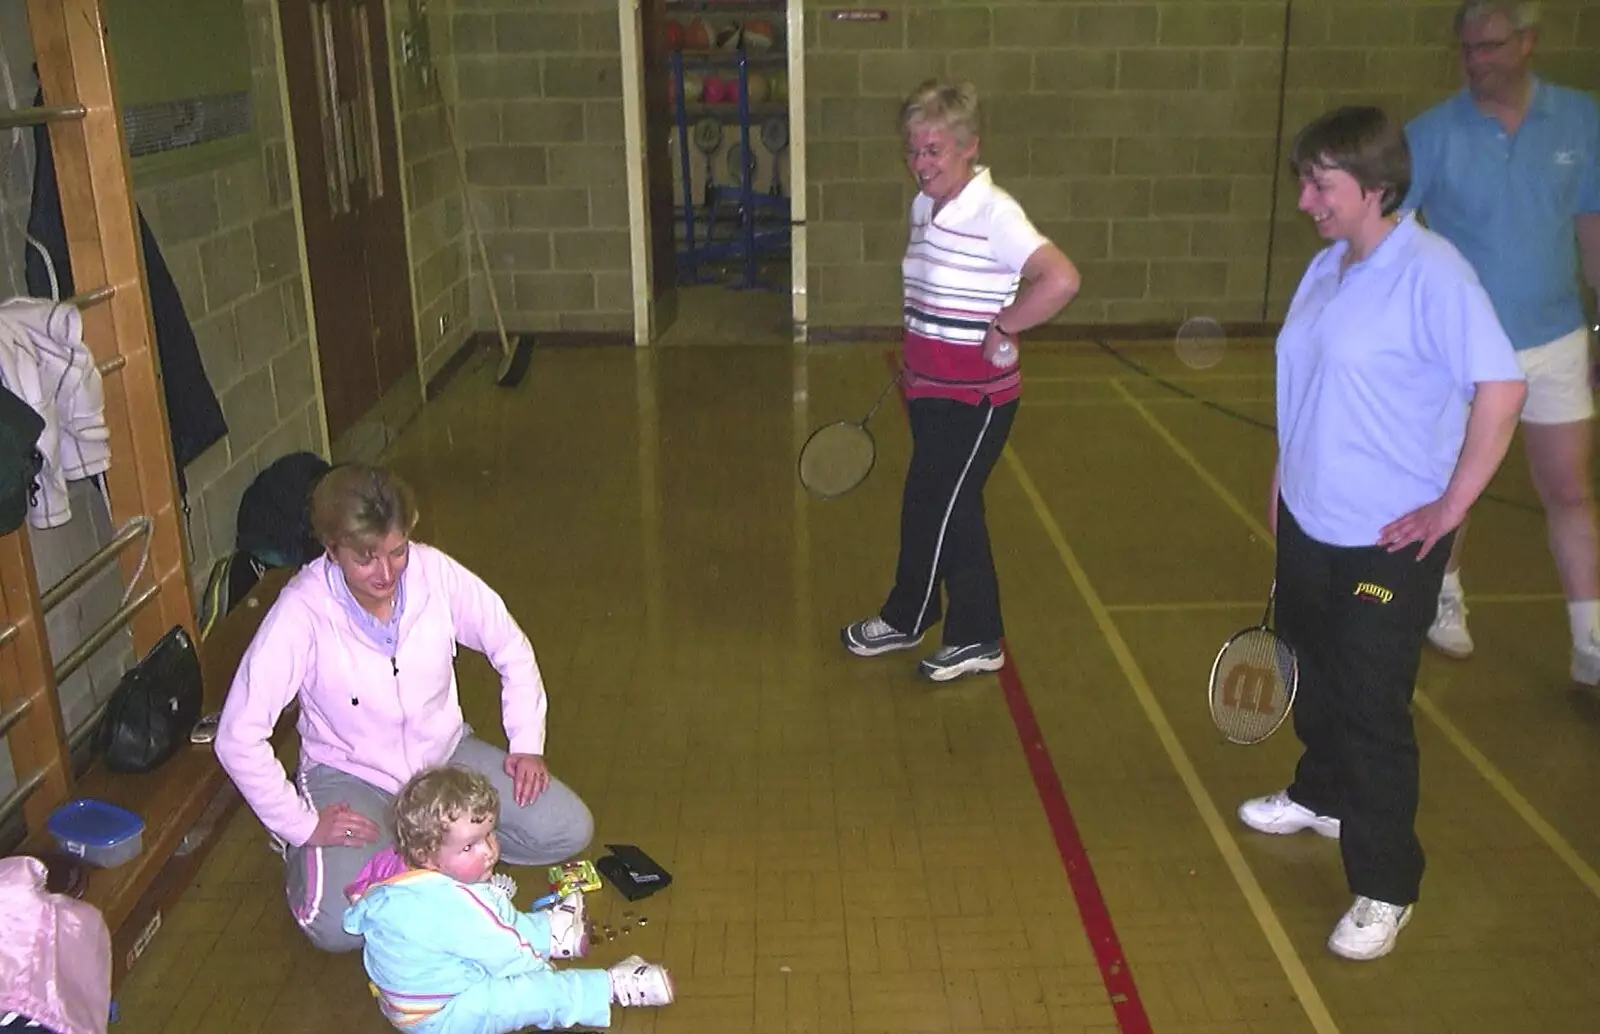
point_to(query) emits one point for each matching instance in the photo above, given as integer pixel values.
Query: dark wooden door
(336, 60)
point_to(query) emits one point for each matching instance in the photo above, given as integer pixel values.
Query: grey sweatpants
(551, 829)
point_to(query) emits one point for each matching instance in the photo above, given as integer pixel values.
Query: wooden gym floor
(1053, 849)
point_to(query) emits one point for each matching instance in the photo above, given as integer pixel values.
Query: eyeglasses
(1486, 47)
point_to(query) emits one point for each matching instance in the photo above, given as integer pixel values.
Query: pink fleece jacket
(378, 721)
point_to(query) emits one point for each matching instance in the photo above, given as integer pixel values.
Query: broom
(514, 358)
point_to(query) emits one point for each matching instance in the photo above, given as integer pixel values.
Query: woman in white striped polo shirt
(977, 273)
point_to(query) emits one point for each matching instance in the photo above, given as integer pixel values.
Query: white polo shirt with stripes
(962, 266)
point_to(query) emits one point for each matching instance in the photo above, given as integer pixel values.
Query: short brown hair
(953, 106)
(355, 503)
(431, 801)
(1362, 141)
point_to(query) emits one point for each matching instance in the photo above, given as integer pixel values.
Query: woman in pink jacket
(365, 637)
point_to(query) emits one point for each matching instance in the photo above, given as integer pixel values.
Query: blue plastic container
(101, 834)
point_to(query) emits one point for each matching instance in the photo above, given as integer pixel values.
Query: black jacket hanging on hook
(193, 414)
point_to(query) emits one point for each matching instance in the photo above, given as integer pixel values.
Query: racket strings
(1253, 685)
(837, 458)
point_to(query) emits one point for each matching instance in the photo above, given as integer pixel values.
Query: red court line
(1115, 972)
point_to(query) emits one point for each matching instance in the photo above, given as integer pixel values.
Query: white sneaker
(1586, 663)
(1279, 815)
(637, 982)
(1449, 634)
(569, 934)
(873, 636)
(1369, 929)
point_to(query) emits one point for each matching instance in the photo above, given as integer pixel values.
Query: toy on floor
(567, 878)
(571, 876)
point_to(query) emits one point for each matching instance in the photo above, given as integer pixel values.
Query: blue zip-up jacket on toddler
(447, 957)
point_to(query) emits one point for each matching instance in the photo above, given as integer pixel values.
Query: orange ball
(696, 36)
(759, 35)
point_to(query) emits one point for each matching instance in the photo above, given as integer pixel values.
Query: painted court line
(1092, 911)
(1277, 938)
(1485, 768)
(1181, 606)
(1093, 914)
(1171, 400)
(1089, 378)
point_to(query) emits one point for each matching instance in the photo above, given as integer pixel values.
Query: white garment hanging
(44, 362)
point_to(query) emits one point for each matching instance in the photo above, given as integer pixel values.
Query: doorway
(721, 173)
(336, 68)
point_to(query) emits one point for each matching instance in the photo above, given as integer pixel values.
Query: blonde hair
(433, 800)
(355, 504)
(952, 106)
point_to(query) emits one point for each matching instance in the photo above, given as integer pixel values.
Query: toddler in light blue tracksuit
(446, 950)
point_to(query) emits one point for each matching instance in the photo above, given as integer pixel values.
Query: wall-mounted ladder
(103, 245)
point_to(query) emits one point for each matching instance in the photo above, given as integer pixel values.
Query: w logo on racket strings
(1249, 688)
(1373, 591)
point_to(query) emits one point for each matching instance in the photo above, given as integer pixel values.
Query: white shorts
(1558, 380)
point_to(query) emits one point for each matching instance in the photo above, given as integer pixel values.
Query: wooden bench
(184, 803)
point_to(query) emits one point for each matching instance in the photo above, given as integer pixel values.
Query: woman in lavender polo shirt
(1398, 393)
(364, 638)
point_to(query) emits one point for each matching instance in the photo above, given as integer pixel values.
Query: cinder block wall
(230, 239)
(541, 112)
(433, 194)
(1141, 136)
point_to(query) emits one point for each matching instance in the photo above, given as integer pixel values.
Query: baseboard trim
(489, 341)
(452, 366)
(1057, 332)
(576, 339)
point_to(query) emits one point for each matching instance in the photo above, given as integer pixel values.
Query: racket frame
(860, 425)
(1292, 683)
(872, 462)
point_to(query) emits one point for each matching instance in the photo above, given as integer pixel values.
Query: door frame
(641, 262)
(632, 62)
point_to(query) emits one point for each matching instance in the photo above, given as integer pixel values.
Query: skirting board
(1062, 332)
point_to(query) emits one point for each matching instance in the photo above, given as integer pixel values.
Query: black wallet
(635, 874)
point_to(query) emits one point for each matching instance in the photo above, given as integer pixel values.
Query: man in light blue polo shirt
(1508, 170)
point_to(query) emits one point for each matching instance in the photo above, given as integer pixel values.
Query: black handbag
(153, 708)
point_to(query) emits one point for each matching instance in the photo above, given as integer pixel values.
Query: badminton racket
(1253, 681)
(839, 456)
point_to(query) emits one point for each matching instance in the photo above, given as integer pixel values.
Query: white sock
(1584, 617)
(1452, 583)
